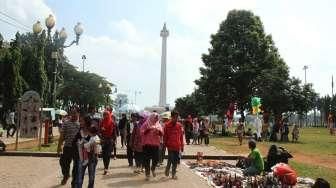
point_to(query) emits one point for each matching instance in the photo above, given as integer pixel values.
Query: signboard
(30, 114)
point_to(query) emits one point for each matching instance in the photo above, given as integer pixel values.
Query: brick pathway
(33, 172)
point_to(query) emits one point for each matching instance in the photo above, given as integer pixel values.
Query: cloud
(131, 65)
(27, 12)
(205, 16)
(126, 29)
(134, 65)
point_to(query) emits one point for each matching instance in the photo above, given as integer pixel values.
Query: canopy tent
(129, 108)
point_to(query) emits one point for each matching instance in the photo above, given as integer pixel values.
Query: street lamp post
(57, 46)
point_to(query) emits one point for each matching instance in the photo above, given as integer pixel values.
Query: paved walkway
(33, 172)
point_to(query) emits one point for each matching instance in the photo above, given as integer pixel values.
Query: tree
(121, 100)
(188, 105)
(84, 89)
(240, 54)
(12, 81)
(33, 70)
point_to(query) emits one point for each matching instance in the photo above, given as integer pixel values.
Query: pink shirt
(151, 135)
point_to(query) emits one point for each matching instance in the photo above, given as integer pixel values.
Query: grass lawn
(314, 154)
(313, 171)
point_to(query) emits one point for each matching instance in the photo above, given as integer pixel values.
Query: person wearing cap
(254, 161)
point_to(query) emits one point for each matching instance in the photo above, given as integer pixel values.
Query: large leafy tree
(240, 53)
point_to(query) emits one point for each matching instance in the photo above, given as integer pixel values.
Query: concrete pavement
(33, 172)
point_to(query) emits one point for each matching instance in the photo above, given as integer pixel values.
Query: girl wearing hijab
(151, 132)
(107, 128)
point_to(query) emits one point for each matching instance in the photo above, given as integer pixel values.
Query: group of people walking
(197, 130)
(146, 138)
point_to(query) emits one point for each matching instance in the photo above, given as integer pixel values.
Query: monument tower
(163, 81)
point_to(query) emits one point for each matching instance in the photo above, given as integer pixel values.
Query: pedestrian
(258, 126)
(331, 123)
(89, 148)
(206, 130)
(201, 131)
(151, 132)
(114, 137)
(11, 128)
(70, 151)
(173, 140)
(162, 148)
(285, 132)
(188, 127)
(106, 131)
(129, 130)
(122, 129)
(240, 131)
(195, 131)
(136, 144)
(264, 130)
(295, 133)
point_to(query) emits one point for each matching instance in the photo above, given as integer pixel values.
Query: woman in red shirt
(107, 131)
(173, 140)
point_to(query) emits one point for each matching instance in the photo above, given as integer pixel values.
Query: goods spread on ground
(220, 174)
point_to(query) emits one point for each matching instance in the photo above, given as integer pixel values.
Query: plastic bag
(285, 174)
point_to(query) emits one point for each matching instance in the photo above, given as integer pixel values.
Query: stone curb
(119, 156)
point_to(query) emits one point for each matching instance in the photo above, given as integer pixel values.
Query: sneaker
(153, 173)
(64, 180)
(115, 158)
(174, 177)
(105, 172)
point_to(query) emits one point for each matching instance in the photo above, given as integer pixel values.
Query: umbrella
(61, 112)
(166, 115)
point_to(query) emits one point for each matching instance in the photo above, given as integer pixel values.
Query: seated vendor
(255, 163)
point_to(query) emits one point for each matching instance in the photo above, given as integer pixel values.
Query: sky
(121, 38)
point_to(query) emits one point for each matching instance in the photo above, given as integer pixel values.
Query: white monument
(163, 81)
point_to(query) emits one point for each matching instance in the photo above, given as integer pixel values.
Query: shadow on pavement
(138, 183)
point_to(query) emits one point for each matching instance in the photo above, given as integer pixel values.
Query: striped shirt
(70, 130)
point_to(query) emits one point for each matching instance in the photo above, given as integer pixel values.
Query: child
(240, 131)
(91, 148)
(83, 154)
(295, 133)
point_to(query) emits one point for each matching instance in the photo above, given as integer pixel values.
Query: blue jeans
(173, 158)
(92, 173)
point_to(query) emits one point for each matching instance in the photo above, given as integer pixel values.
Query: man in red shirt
(173, 140)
